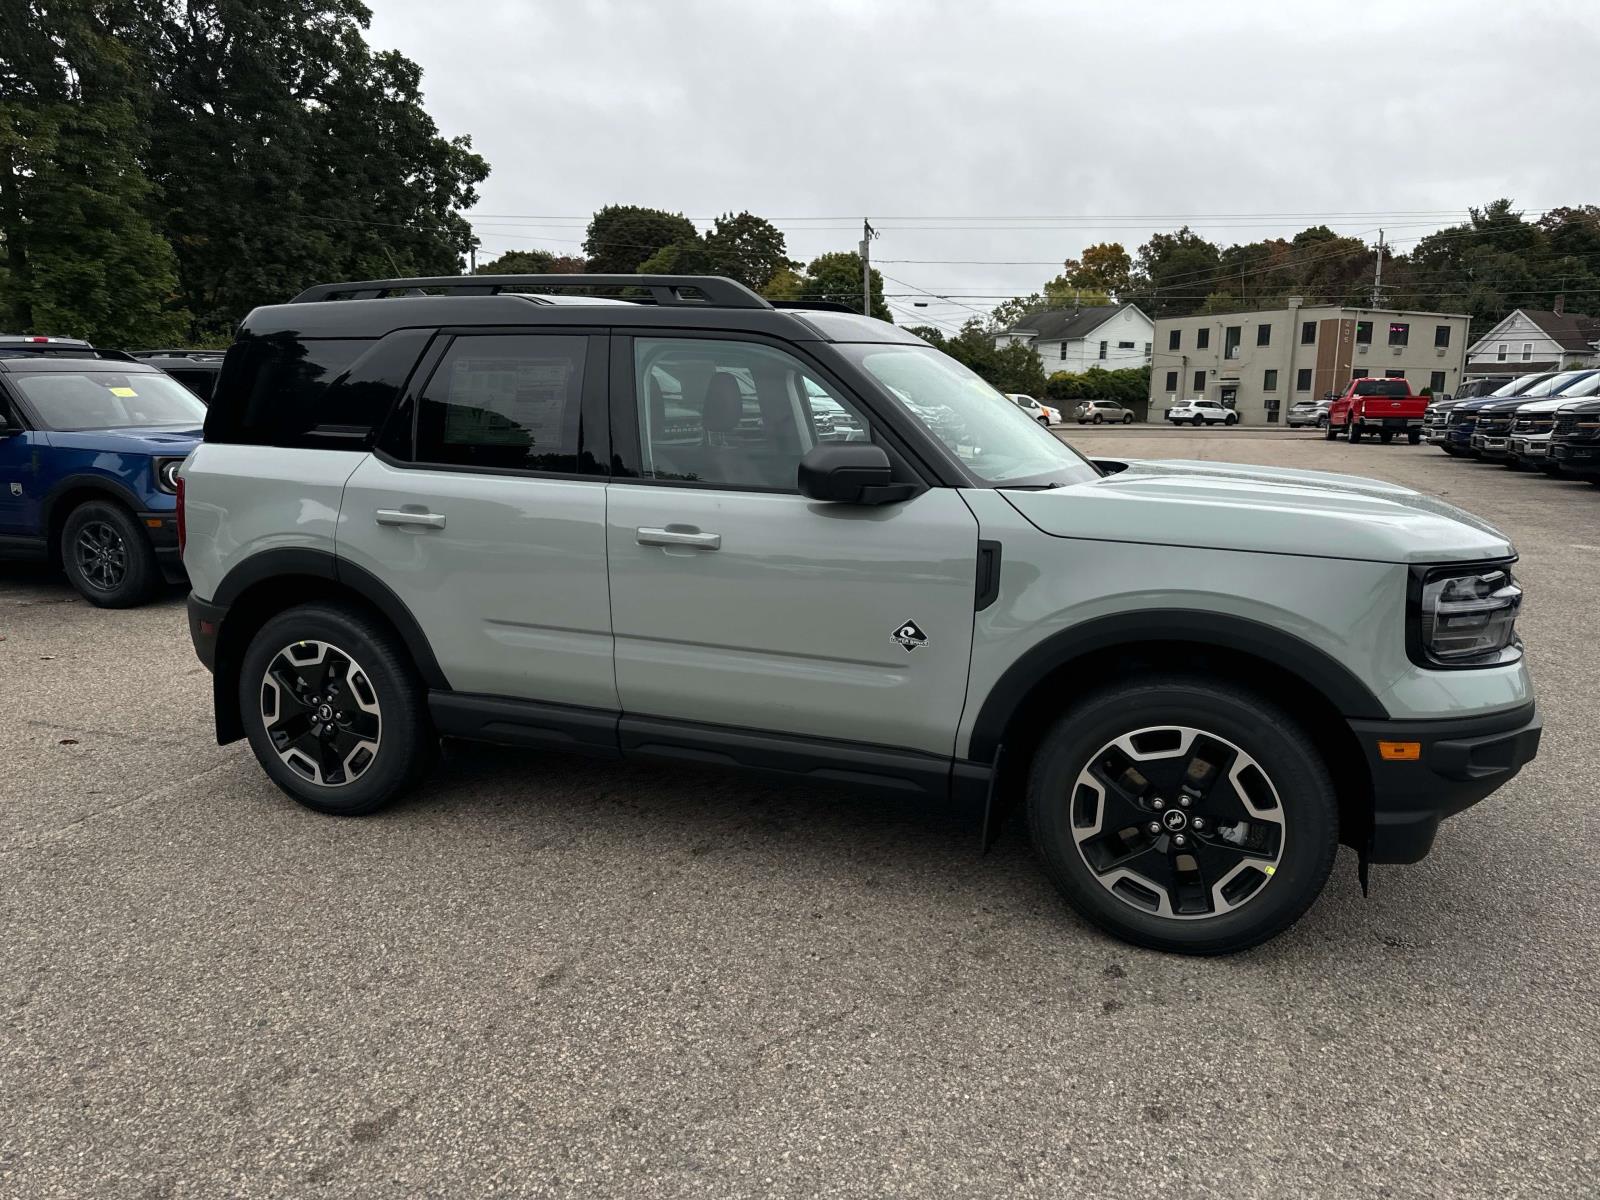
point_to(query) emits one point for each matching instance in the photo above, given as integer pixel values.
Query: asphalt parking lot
(555, 977)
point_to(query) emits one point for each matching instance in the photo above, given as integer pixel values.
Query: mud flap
(997, 807)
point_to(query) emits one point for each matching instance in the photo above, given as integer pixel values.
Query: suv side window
(285, 390)
(732, 413)
(505, 402)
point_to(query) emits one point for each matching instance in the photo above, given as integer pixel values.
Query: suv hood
(1267, 510)
(134, 440)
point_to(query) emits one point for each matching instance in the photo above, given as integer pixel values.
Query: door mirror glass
(849, 473)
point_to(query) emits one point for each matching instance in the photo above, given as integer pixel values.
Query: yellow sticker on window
(123, 391)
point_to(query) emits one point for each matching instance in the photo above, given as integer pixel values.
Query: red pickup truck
(1381, 406)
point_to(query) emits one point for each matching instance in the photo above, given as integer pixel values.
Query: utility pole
(472, 260)
(867, 234)
(1377, 275)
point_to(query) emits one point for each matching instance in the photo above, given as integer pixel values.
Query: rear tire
(107, 556)
(1098, 419)
(1207, 895)
(334, 710)
(1199, 420)
(1414, 436)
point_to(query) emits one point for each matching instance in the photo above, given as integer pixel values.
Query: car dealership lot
(552, 976)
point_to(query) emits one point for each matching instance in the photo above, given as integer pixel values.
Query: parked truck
(1381, 406)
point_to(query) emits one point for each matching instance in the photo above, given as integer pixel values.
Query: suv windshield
(109, 400)
(997, 441)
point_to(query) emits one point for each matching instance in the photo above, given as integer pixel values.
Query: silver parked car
(1308, 413)
(622, 532)
(1098, 412)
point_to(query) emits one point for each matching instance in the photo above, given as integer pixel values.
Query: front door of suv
(483, 508)
(736, 601)
(20, 450)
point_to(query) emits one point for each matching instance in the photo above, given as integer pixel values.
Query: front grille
(1494, 426)
(1565, 424)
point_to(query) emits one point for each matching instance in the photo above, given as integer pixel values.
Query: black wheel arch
(1313, 686)
(264, 585)
(69, 492)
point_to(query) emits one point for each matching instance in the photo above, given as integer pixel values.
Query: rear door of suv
(739, 603)
(483, 508)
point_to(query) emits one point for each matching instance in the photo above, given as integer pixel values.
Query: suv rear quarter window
(283, 390)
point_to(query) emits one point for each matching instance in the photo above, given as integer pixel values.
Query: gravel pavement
(551, 977)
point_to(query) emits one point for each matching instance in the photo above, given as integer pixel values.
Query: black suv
(197, 370)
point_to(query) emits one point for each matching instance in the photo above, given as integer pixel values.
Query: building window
(1124, 346)
(1363, 333)
(1230, 340)
(1399, 333)
(1063, 350)
(1394, 374)
(1200, 383)
(1269, 380)
(1441, 335)
(1359, 373)
(1147, 348)
(1436, 381)
(1308, 333)
(1302, 379)
(1172, 382)
(1272, 414)
(1103, 349)
(1175, 339)
(1202, 338)
(1527, 351)
(1500, 352)
(1263, 335)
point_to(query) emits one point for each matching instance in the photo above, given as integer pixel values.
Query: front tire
(1198, 420)
(107, 556)
(1127, 418)
(1329, 433)
(1237, 864)
(334, 710)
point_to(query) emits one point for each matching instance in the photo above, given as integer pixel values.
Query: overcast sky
(946, 122)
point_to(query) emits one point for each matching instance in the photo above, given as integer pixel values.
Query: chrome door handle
(404, 519)
(678, 535)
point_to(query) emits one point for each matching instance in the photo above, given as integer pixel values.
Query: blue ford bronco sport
(89, 454)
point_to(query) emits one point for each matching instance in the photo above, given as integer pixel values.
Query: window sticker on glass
(506, 401)
(124, 392)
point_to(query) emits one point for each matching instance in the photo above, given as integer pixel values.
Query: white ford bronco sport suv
(431, 508)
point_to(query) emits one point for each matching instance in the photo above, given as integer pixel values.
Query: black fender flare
(323, 564)
(1325, 674)
(109, 486)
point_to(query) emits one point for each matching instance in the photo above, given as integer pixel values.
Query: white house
(1536, 339)
(1111, 337)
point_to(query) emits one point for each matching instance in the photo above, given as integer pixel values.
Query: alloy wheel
(1177, 822)
(321, 713)
(101, 556)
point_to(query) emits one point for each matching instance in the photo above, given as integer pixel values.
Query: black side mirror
(850, 473)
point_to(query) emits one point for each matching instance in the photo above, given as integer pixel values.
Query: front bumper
(1461, 760)
(1493, 445)
(1581, 458)
(1528, 447)
(161, 527)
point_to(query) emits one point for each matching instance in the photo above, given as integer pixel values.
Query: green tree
(837, 277)
(287, 152)
(787, 284)
(748, 248)
(520, 262)
(1173, 273)
(681, 258)
(82, 255)
(1105, 267)
(621, 236)
(1014, 367)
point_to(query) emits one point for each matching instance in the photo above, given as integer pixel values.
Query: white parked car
(1202, 412)
(1041, 413)
(1098, 412)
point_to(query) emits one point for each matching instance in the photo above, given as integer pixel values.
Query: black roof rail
(177, 353)
(713, 290)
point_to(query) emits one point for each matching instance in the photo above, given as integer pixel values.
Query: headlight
(1465, 616)
(167, 474)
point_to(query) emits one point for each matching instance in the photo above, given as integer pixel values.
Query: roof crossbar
(683, 290)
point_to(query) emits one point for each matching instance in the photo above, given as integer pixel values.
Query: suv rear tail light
(183, 529)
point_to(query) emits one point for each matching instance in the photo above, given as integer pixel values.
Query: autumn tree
(621, 236)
